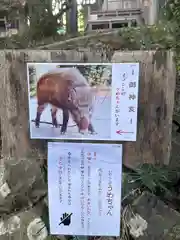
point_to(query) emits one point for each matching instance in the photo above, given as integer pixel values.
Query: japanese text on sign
(84, 184)
(125, 78)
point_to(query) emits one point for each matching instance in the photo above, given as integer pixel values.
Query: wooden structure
(9, 17)
(156, 99)
(114, 14)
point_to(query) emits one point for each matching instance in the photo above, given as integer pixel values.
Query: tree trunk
(22, 22)
(72, 19)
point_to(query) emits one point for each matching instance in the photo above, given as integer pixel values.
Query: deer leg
(91, 128)
(40, 109)
(53, 115)
(65, 121)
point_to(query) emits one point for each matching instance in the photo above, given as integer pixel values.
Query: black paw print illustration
(66, 219)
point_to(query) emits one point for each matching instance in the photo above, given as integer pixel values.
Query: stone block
(152, 219)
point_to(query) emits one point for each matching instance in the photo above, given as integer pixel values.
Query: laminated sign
(83, 101)
(84, 188)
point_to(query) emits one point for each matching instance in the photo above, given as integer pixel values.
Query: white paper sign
(84, 188)
(83, 101)
(125, 82)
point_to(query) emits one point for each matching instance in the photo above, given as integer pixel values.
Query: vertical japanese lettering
(110, 195)
(60, 178)
(82, 196)
(89, 160)
(117, 108)
(69, 179)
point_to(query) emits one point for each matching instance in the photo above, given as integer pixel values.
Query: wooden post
(156, 102)
(156, 98)
(14, 103)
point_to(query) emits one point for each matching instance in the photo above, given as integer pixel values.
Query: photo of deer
(69, 101)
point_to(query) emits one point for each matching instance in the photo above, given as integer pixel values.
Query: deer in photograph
(66, 89)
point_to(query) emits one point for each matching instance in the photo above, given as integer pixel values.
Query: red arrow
(121, 131)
